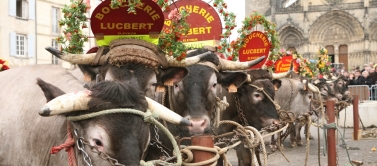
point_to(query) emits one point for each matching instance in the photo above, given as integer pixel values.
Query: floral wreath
(169, 37)
(305, 67)
(231, 49)
(3, 65)
(323, 64)
(75, 19)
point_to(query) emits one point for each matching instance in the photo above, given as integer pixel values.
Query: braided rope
(148, 117)
(221, 105)
(68, 146)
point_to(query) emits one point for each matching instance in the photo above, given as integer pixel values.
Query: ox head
(338, 86)
(127, 59)
(110, 133)
(256, 97)
(195, 96)
(333, 89)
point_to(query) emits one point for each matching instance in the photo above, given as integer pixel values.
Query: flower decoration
(232, 48)
(74, 20)
(169, 37)
(229, 19)
(323, 63)
(3, 65)
(164, 4)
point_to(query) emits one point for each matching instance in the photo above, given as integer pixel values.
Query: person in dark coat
(353, 77)
(365, 79)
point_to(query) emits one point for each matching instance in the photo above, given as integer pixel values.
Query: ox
(334, 88)
(27, 137)
(295, 96)
(195, 97)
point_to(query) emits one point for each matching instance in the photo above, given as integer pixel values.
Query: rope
(335, 126)
(148, 117)
(307, 141)
(68, 146)
(221, 105)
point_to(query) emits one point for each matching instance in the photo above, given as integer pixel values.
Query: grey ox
(295, 95)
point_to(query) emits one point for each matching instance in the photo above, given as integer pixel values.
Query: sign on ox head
(205, 24)
(109, 24)
(256, 45)
(283, 64)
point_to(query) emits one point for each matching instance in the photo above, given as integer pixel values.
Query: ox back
(26, 137)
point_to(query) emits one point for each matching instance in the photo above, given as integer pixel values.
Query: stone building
(27, 27)
(347, 28)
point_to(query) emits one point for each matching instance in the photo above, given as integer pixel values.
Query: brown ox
(195, 97)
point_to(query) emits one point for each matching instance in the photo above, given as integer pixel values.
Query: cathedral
(346, 28)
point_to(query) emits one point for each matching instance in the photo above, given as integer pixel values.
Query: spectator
(371, 64)
(373, 74)
(365, 79)
(343, 70)
(346, 74)
(364, 68)
(356, 68)
(353, 77)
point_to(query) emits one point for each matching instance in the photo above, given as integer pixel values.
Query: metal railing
(364, 91)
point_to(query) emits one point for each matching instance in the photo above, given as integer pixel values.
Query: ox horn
(186, 62)
(73, 58)
(285, 74)
(166, 114)
(230, 65)
(66, 103)
(313, 88)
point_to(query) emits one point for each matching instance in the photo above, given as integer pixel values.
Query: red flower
(87, 4)
(269, 63)
(1, 61)
(230, 58)
(179, 58)
(222, 56)
(5, 67)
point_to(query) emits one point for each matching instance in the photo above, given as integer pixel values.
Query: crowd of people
(356, 76)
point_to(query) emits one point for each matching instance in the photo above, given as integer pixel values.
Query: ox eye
(257, 95)
(214, 85)
(98, 142)
(176, 86)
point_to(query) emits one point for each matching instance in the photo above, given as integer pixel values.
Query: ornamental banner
(205, 23)
(256, 45)
(109, 24)
(283, 64)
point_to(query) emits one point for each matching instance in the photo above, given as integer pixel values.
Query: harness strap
(68, 146)
(277, 106)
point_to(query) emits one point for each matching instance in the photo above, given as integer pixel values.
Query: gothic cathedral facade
(347, 28)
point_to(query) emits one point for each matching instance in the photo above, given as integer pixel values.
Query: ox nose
(270, 121)
(339, 96)
(347, 93)
(198, 126)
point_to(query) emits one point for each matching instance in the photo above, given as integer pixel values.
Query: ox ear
(171, 75)
(227, 79)
(50, 91)
(90, 72)
(276, 83)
